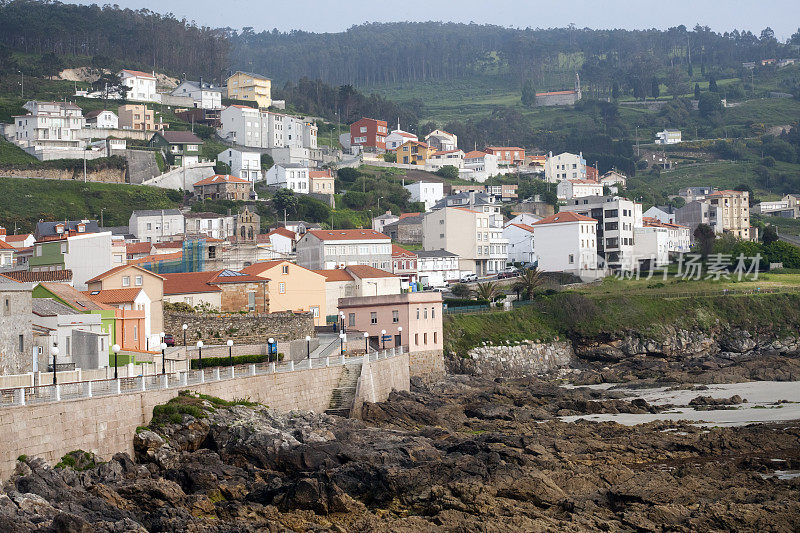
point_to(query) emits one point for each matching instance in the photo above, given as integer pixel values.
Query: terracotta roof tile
(220, 178)
(366, 271)
(565, 216)
(113, 296)
(346, 234)
(336, 274)
(189, 283)
(139, 73)
(114, 270)
(24, 276)
(74, 298)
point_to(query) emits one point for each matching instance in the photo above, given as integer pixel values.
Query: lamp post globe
(54, 353)
(366, 342)
(308, 346)
(184, 328)
(230, 352)
(200, 355)
(115, 349)
(163, 357)
(383, 338)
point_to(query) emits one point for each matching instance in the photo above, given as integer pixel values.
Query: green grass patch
(26, 201)
(210, 362)
(11, 154)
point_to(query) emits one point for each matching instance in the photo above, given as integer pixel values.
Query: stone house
(222, 187)
(224, 290)
(16, 328)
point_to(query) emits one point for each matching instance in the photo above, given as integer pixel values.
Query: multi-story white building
(290, 176)
(569, 188)
(156, 225)
(437, 268)
(442, 140)
(664, 213)
(49, 125)
(381, 221)
(204, 94)
(520, 243)
(566, 242)
(211, 225)
(426, 192)
(330, 249)
(250, 127)
(479, 166)
(616, 219)
(245, 165)
(565, 166)
(656, 240)
(142, 85)
(475, 236)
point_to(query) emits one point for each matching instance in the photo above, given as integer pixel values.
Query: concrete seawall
(106, 425)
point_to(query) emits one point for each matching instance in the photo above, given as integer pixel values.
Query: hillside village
(466, 231)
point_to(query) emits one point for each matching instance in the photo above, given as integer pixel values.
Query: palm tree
(487, 291)
(527, 282)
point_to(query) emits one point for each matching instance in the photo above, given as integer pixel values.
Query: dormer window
(59, 228)
(81, 228)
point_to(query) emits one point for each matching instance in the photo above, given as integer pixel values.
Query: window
(351, 319)
(315, 311)
(63, 247)
(149, 225)
(136, 333)
(126, 281)
(433, 312)
(424, 338)
(285, 269)
(426, 313)
(571, 259)
(7, 307)
(416, 339)
(395, 316)
(417, 313)
(435, 341)
(373, 317)
(138, 280)
(21, 343)
(38, 251)
(251, 301)
(282, 288)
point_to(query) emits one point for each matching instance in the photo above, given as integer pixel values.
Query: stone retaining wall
(247, 328)
(427, 365)
(379, 378)
(106, 175)
(523, 360)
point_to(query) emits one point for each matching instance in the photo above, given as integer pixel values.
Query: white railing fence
(19, 396)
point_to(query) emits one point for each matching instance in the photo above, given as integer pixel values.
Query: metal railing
(21, 396)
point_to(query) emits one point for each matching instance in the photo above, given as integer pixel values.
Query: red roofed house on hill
(560, 97)
(566, 242)
(224, 290)
(223, 187)
(507, 155)
(339, 248)
(368, 135)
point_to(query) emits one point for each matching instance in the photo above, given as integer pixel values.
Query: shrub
(464, 302)
(209, 362)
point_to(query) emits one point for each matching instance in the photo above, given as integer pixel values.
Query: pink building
(419, 314)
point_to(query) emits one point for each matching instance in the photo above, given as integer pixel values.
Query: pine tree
(528, 94)
(655, 87)
(615, 91)
(712, 84)
(696, 91)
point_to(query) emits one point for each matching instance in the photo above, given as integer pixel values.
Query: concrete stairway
(345, 394)
(141, 165)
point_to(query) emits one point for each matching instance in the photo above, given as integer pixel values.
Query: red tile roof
(17, 238)
(399, 251)
(5, 246)
(565, 216)
(74, 298)
(173, 256)
(346, 234)
(24, 276)
(168, 244)
(336, 274)
(262, 266)
(505, 148)
(475, 154)
(138, 248)
(114, 270)
(139, 73)
(113, 296)
(189, 283)
(366, 271)
(404, 215)
(220, 178)
(523, 226)
(319, 174)
(284, 232)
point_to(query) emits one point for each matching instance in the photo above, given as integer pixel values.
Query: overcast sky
(783, 16)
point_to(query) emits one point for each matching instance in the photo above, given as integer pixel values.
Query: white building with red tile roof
(520, 243)
(566, 242)
(656, 240)
(479, 166)
(578, 188)
(142, 85)
(397, 137)
(328, 249)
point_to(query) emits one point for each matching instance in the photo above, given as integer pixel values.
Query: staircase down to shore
(345, 394)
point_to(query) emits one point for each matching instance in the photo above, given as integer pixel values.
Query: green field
(23, 202)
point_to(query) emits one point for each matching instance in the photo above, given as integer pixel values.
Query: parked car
(466, 278)
(169, 340)
(438, 289)
(508, 273)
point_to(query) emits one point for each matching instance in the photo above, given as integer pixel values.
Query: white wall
(427, 192)
(556, 244)
(88, 256)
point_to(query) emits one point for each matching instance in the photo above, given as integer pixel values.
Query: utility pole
(84, 164)
(637, 141)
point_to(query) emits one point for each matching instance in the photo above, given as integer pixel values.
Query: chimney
(471, 199)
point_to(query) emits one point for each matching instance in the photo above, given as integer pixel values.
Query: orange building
(507, 155)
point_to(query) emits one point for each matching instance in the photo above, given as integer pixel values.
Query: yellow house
(414, 153)
(250, 87)
(292, 287)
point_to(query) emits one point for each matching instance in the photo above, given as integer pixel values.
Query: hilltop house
(102, 118)
(141, 85)
(328, 249)
(204, 94)
(223, 187)
(181, 148)
(251, 87)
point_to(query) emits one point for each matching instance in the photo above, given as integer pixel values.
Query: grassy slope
(24, 201)
(576, 315)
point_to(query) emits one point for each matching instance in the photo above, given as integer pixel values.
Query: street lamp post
(400, 334)
(54, 353)
(308, 346)
(230, 352)
(269, 348)
(383, 338)
(200, 355)
(342, 337)
(163, 348)
(184, 328)
(366, 342)
(341, 316)
(115, 349)
(163, 357)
